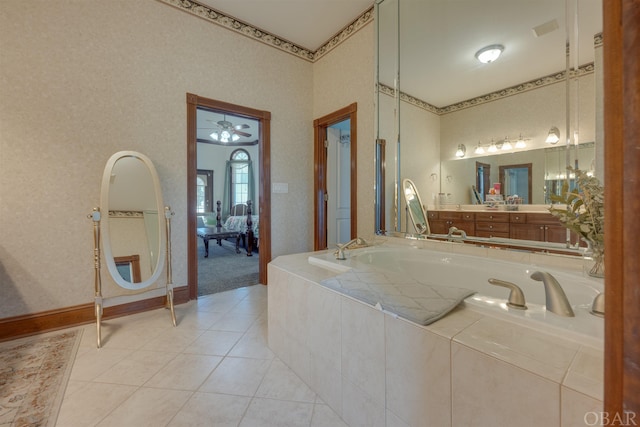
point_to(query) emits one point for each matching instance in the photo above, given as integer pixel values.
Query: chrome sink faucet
(556, 299)
(358, 241)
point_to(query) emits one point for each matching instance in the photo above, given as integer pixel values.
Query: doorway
(224, 130)
(335, 177)
(515, 180)
(483, 180)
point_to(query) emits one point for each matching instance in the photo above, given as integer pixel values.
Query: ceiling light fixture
(492, 148)
(554, 136)
(490, 53)
(520, 142)
(461, 151)
(479, 149)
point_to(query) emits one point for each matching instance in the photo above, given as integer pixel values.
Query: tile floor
(213, 369)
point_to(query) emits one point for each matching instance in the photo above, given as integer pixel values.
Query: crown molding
(245, 29)
(493, 96)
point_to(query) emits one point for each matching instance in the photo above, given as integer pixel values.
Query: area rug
(34, 372)
(225, 269)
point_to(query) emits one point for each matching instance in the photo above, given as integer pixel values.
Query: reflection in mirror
(447, 98)
(415, 207)
(133, 229)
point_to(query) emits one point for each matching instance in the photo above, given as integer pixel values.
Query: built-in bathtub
(482, 364)
(432, 267)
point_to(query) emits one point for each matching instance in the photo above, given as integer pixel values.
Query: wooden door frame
(264, 197)
(528, 166)
(621, 44)
(320, 172)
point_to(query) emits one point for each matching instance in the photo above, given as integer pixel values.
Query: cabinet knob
(517, 217)
(491, 227)
(541, 228)
(490, 216)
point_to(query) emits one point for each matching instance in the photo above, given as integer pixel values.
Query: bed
(240, 221)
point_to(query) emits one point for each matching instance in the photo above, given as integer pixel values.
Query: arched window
(239, 176)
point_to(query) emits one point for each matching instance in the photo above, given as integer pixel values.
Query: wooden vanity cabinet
(537, 226)
(492, 224)
(541, 227)
(441, 221)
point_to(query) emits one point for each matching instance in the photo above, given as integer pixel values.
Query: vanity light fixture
(492, 148)
(479, 149)
(461, 151)
(520, 142)
(554, 136)
(506, 145)
(489, 53)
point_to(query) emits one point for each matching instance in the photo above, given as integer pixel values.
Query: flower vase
(595, 252)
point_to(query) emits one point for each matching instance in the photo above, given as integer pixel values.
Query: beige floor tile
(147, 407)
(174, 340)
(268, 412)
(214, 343)
(233, 322)
(238, 376)
(211, 409)
(324, 416)
(215, 369)
(92, 362)
(283, 384)
(184, 372)
(252, 346)
(91, 403)
(137, 368)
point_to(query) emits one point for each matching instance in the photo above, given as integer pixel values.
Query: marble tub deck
(369, 366)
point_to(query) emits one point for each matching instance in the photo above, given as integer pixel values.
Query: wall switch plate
(279, 187)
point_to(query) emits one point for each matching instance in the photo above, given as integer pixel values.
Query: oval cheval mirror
(135, 229)
(415, 207)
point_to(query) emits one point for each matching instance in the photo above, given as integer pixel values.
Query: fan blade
(242, 126)
(246, 135)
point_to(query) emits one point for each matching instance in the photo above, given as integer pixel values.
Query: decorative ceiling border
(233, 24)
(493, 96)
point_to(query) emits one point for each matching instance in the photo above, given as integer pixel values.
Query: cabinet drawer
(542, 218)
(492, 234)
(468, 216)
(497, 227)
(518, 218)
(492, 216)
(450, 215)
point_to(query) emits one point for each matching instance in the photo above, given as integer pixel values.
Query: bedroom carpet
(224, 269)
(34, 372)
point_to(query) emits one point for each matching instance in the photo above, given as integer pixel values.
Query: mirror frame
(104, 223)
(422, 227)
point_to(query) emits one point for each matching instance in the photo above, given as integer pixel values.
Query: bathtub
(473, 272)
(481, 364)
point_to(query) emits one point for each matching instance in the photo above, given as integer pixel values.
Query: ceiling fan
(227, 131)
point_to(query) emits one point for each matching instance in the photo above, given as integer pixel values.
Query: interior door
(338, 184)
(321, 185)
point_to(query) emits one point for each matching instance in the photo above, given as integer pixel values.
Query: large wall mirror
(444, 114)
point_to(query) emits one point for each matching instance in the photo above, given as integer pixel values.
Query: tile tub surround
(469, 368)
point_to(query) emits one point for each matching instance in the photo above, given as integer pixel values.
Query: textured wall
(82, 80)
(345, 76)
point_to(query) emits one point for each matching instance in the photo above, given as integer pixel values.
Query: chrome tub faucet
(556, 299)
(357, 242)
